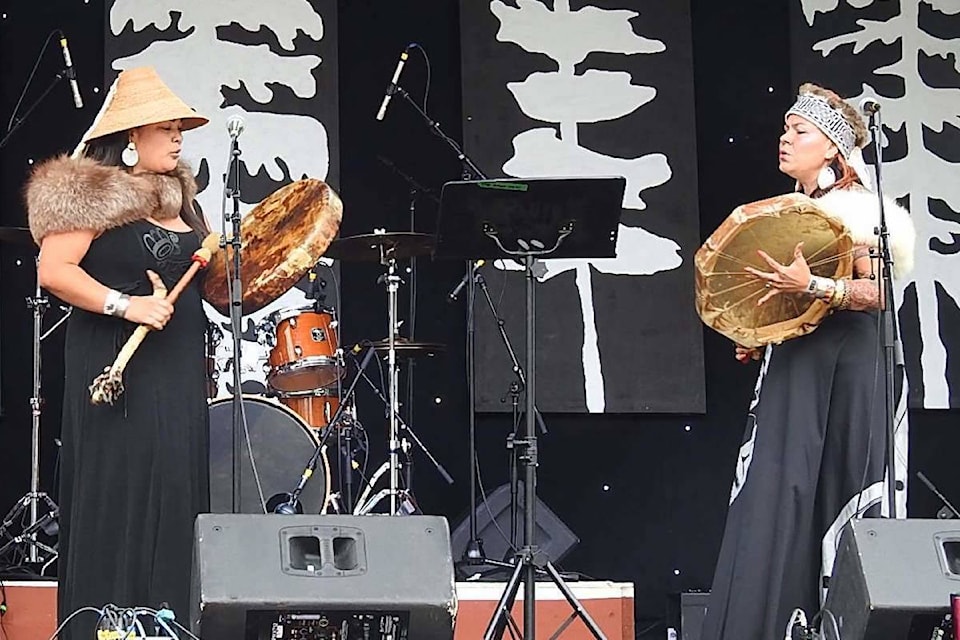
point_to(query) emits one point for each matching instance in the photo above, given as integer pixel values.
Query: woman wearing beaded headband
(813, 452)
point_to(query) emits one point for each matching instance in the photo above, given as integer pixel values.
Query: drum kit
(283, 241)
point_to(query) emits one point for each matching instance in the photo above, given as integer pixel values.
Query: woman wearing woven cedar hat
(813, 452)
(113, 221)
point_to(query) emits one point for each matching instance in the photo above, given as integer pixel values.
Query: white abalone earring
(129, 156)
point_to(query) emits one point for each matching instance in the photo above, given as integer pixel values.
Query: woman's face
(158, 146)
(804, 149)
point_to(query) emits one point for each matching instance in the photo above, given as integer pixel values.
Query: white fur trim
(858, 210)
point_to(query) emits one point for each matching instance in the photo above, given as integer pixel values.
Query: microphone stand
(18, 122)
(473, 554)
(889, 322)
(231, 190)
(290, 506)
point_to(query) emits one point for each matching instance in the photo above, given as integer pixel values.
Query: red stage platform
(32, 609)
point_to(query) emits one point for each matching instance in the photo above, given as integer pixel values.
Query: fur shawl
(72, 194)
(859, 211)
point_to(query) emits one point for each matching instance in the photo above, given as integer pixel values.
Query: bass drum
(279, 447)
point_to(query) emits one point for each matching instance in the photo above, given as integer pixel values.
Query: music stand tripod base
(528, 219)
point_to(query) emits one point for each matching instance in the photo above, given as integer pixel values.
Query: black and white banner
(272, 63)
(595, 88)
(906, 55)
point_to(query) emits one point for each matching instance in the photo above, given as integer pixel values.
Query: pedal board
(327, 625)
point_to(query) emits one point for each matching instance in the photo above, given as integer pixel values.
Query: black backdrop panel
(572, 89)
(904, 54)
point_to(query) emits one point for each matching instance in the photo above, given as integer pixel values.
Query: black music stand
(526, 219)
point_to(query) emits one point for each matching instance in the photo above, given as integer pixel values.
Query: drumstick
(108, 386)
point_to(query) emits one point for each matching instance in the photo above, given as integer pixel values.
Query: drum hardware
(410, 348)
(529, 219)
(364, 506)
(292, 503)
(386, 248)
(415, 190)
(31, 549)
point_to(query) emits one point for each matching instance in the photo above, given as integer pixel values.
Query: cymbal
(410, 349)
(370, 247)
(17, 235)
(281, 239)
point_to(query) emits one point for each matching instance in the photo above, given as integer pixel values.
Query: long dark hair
(107, 151)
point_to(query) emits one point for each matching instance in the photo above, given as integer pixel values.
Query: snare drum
(304, 356)
(317, 408)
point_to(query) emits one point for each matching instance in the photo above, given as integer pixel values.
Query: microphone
(392, 87)
(869, 106)
(71, 74)
(452, 296)
(234, 126)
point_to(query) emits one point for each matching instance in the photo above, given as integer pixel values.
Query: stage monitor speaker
(892, 579)
(553, 537)
(305, 576)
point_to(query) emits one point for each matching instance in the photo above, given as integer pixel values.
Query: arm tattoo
(863, 294)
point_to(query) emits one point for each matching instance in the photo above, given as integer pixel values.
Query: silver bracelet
(116, 304)
(822, 288)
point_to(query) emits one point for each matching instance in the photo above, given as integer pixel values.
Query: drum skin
(280, 240)
(727, 295)
(277, 443)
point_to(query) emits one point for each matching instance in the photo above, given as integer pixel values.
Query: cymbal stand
(392, 281)
(364, 506)
(39, 303)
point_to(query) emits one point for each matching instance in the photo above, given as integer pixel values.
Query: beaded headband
(829, 120)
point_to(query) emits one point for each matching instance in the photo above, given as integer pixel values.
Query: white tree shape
(921, 175)
(270, 141)
(568, 99)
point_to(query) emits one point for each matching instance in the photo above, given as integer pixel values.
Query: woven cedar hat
(139, 97)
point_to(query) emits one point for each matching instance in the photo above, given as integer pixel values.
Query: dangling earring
(130, 157)
(826, 178)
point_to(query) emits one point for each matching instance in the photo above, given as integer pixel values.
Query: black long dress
(812, 458)
(134, 475)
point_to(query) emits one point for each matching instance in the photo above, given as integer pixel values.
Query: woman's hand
(152, 311)
(746, 354)
(791, 278)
